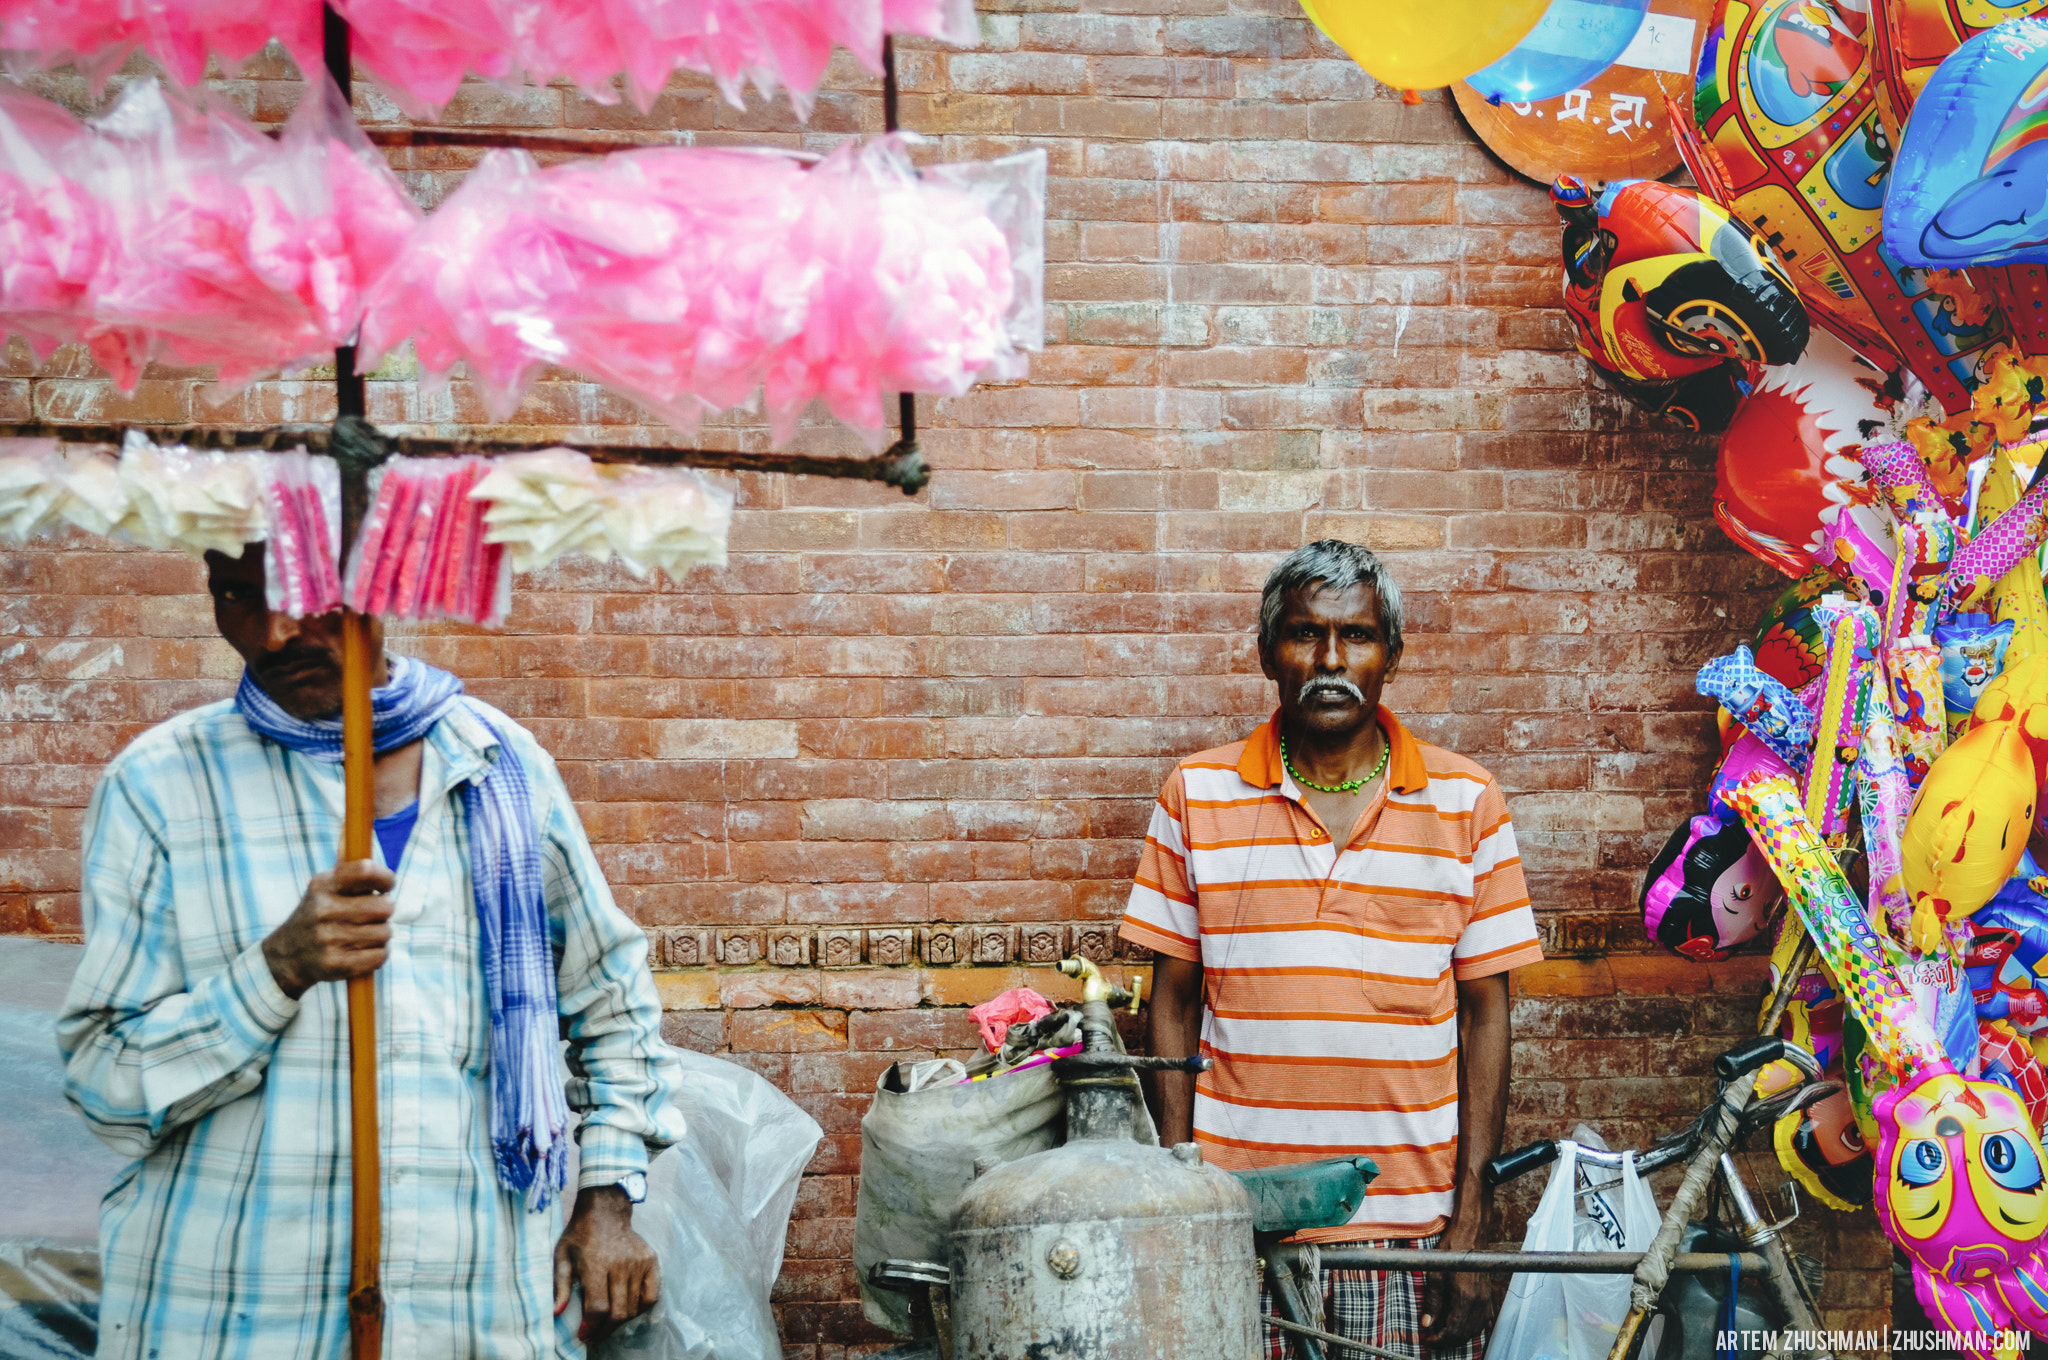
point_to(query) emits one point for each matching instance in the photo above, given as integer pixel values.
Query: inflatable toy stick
(1913, 670)
(1835, 918)
(2016, 598)
(1996, 549)
(1886, 796)
(1852, 635)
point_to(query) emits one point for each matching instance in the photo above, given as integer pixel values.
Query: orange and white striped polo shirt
(1329, 995)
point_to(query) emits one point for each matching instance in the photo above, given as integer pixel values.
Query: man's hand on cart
(1456, 1306)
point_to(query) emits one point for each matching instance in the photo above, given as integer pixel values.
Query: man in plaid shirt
(198, 1037)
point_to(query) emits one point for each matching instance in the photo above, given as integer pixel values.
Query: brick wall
(898, 755)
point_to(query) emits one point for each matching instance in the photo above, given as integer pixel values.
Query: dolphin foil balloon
(1970, 182)
(1960, 1188)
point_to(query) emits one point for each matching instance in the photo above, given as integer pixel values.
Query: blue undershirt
(394, 831)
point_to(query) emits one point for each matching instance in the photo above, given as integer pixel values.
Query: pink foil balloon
(1960, 1188)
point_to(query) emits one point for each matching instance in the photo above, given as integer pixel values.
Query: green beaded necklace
(1349, 785)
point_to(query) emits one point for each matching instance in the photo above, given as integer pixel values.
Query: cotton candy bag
(231, 249)
(687, 279)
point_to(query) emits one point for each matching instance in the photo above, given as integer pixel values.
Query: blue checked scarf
(529, 1112)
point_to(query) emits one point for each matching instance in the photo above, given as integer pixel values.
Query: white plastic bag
(1575, 1317)
(717, 1212)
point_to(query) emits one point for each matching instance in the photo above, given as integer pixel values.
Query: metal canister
(1104, 1248)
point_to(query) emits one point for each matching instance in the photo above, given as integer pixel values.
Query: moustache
(274, 662)
(1330, 684)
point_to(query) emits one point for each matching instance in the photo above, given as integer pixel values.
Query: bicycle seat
(1321, 1194)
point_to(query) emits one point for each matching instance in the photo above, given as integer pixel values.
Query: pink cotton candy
(689, 279)
(98, 35)
(176, 231)
(419, 49)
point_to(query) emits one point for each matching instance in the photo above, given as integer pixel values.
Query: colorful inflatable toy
(1960, 1188)
(2013, 1064)
(1822, 1147)
(1708, 890)
(1673, 297)
(1571, 43)
(1917, 36)
(1761, 703)
(2007, 946)
(1972, 656)
(1971, 820)
(1790, 463)
(1835, 918)
(1788, 646)
(1785, 131)
(1971, 176)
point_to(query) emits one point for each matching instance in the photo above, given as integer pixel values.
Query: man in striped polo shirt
(1355, 999)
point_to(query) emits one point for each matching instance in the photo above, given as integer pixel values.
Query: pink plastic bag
(687, 279)
(175, 230)
(419, 49)
(421, 554)
(98, 35)
(232, 249)
(303, 497)
(1019, 1005)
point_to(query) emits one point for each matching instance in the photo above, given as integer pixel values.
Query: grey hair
(1335, 565)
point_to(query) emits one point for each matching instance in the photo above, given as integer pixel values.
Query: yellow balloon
(2017, 688)
(1421, 44)
(1971, 820)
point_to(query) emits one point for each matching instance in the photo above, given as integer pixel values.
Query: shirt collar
(1260, 765)
(467, 746)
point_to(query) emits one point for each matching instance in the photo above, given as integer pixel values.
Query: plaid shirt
(228, 1236)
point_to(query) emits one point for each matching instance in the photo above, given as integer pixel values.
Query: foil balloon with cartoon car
(1785, 132)
(1673, 299)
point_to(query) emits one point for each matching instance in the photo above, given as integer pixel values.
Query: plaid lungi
(1380, 1308)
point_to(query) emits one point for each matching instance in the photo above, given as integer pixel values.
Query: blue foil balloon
(1574, 41)
(1970, 180)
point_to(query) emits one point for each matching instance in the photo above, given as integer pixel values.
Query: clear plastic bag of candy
(688, 279)
(302, 494)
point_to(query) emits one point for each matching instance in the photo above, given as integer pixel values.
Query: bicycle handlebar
(1521, 1161)
(1747, 1057)
(1744, 1058)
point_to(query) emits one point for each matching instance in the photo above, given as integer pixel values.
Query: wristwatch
(634, 1183)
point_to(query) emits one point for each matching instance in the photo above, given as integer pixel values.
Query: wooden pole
(366, 1225)
(359, 784)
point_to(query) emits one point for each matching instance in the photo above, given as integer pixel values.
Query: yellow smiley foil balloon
(1970, 822)
(1961, 1189)
(1421, 44)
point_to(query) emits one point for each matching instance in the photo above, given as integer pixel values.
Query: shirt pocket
(1405, 967)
